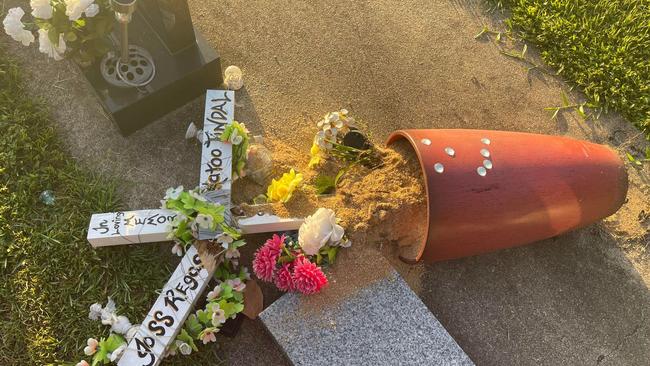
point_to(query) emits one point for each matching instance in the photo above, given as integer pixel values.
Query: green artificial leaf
(523, 52)
(339, 175)
(113, 342)
(100, 356)
(70, 37)
(581, 111)
(226, 291)
(325, 184)
(204, 317)
(53, 36)
(234, 233)
(238, 296)
(286, 259)
(331, 254)
(319, 258)
(229, 308)
(647, 152)
(243, 273)
(193, 325)
(185, 337)
(102, 353)
(238, 244)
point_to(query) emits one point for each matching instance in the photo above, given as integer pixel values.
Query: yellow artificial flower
(281, 190)
(316, 156)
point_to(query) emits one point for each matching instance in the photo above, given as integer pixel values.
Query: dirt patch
(382, 205)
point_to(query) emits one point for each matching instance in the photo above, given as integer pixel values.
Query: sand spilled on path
(381, 206)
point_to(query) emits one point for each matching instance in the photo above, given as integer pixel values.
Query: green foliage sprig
(238, 135)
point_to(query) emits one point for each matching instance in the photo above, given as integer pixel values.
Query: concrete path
(581, 298)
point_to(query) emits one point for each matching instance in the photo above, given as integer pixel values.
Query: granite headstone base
(376, 321)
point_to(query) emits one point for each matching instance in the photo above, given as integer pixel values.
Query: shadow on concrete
(572, 299)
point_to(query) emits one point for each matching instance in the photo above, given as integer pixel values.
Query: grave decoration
(237, 134)
(200, 223)
(445, 194)
(66, 28)
(281, 190)
(489, 190)
(293, 263)
(339, 139)
(152, 63)
(108, 349)
(477, 190)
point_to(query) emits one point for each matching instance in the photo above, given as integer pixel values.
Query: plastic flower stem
(287, 251)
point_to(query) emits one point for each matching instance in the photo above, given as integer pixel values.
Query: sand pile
(385, 205)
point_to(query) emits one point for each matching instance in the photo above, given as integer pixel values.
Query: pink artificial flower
(266, 258)
(209, 336)
(236, 284)
(82, 363)
(275, 243)
(283, 279)
(308, 278)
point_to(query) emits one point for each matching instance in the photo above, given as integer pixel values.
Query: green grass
(49, 274)
(603, 46)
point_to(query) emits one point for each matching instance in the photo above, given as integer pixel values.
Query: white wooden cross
(189, 280)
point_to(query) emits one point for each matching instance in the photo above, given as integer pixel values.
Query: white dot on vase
(487, 164)
(450, 151)
(485, 140)
(485, 153)
(426, 141)
(439, 168)
(481, 171)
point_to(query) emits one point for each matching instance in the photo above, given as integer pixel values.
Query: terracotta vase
(489, 190)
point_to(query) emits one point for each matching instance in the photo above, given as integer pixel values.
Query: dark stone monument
(160, 33)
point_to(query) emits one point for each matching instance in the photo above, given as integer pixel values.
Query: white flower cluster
(331, 127)
(42, 9)
(119, 323)
(74, 9)
(14, 27)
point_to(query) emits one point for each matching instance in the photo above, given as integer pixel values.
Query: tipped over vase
(490, 190)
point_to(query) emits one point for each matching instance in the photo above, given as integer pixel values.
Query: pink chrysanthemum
(266, 258)
(275, 243)
(283, 279)
(308, 278)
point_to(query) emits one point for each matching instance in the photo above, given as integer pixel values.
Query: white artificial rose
(41, 8)
(15, 28)
(92, 10)
(319, 229)
(50, 49)
(74, 8)
(233, 78)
